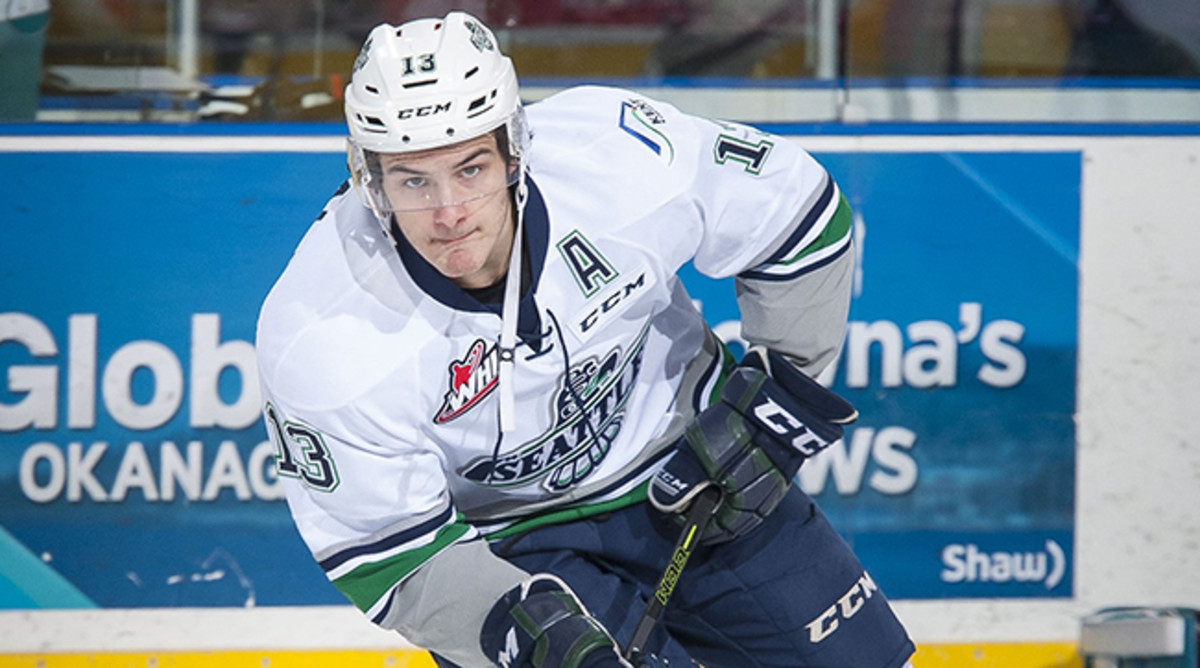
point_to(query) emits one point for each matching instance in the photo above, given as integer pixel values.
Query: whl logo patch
(471, 379)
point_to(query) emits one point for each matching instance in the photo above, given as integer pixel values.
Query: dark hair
(500, 133)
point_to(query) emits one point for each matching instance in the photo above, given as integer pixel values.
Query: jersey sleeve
(731, 199)
(383, 528)
(770, 211)
(776, 219)
(803, 316)
(366, 488)
(371, 515)
(725, 196)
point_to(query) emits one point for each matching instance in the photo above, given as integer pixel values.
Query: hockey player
(493, 397)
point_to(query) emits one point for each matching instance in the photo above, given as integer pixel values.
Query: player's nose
(450, 215)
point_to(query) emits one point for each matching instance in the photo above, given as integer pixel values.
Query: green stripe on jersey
(369, 582)
(835, 230)
(728, 364)
(560, 516)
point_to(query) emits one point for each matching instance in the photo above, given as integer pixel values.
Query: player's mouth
(451, 241)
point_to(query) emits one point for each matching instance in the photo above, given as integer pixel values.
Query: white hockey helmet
(426, 84)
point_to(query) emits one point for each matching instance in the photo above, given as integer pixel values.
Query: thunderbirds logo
(363, 55)
(479, 37)
(588, 410)
(471, 379)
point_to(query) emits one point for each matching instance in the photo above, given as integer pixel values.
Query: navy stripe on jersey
(806, 224)
(380, 616)
(817, 247)
(713, 378)
(825, 260)
(389, 542)
(384, 610)
(813, 266)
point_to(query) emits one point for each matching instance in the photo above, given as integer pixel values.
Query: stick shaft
(698, 517)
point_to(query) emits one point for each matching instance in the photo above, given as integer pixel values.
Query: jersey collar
(434, 284)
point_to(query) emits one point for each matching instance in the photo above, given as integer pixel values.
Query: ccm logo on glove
(785, 424)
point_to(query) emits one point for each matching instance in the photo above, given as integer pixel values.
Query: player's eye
(415, 182)
(470, 171)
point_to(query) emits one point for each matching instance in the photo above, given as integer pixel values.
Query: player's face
(452, 205)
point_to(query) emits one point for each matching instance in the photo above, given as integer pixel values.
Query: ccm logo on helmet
(427, 110)
(846, 607)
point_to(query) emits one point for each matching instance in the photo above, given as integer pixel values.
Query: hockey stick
(694, 525)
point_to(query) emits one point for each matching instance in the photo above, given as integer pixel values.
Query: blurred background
(821, 60)
(1022, 343)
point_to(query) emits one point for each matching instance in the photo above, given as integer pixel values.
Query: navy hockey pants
(789, 594)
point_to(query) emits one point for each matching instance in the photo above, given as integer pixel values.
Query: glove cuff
(824, 403)
(542, 624)
(679, 481)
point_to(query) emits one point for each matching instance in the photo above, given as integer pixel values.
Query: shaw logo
(968, 563)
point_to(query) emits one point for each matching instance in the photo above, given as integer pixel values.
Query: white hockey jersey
(380, 375)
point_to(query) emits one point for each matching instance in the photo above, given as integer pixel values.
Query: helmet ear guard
(367, 177)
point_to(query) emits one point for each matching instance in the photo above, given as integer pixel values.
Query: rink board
(956, 483)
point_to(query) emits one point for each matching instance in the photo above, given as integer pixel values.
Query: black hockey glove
(771, 417)
(541, 624)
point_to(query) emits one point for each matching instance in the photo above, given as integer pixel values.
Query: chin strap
(510, 314)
